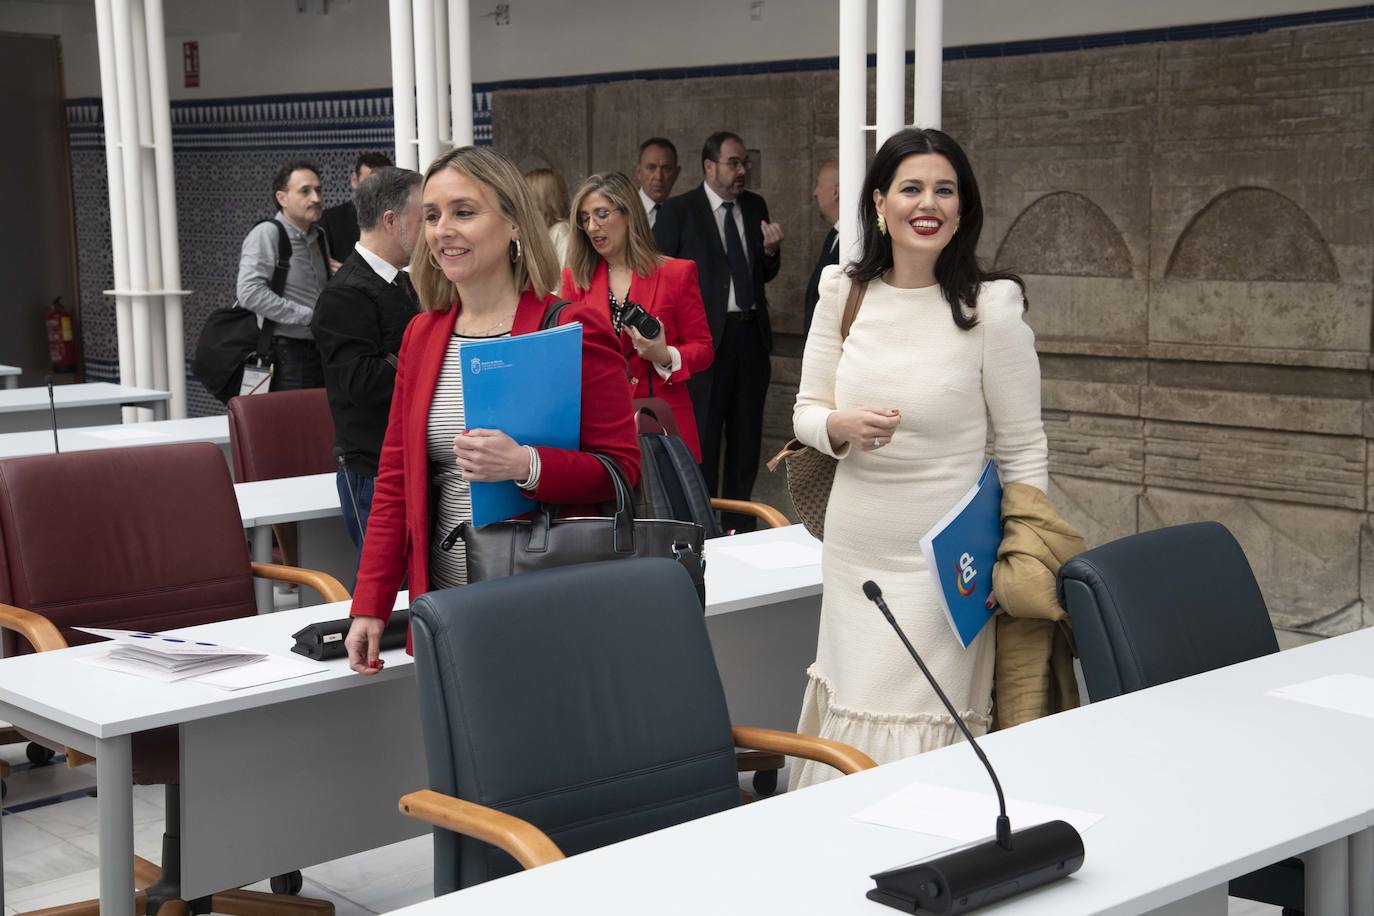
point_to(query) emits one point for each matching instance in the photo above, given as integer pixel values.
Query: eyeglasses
(739, 165)
(600, 214)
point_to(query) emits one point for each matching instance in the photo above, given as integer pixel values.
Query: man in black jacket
(340, 222)
(827, 194)
(725, 230)
(359, 320)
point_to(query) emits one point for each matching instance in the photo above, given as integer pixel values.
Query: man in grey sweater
(296, 189)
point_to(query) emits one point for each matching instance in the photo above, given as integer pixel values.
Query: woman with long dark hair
(938, 351)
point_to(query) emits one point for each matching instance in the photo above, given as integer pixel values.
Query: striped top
(453, 505)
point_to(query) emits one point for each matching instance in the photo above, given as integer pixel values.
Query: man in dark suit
(340, 222)
(725, 230)
(827, 194)
(358, 323)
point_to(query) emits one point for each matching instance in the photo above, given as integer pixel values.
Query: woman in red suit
(612, 262)
(486, 269)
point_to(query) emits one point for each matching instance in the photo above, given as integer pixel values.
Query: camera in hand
(635, 317)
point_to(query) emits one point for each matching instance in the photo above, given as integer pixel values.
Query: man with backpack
(285, 299)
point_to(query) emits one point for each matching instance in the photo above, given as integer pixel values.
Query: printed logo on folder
(960, 551)
(530, 388)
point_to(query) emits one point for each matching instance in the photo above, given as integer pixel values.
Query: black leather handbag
(542, 542)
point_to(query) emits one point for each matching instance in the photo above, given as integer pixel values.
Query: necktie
(739, 265)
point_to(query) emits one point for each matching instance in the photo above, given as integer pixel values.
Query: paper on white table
(770, 556)
(113, 662)
(1349, 693)
(164, 644)
(963, 816)
(269, 670)
(125, 433)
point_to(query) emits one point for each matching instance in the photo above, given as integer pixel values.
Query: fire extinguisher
(61, 338)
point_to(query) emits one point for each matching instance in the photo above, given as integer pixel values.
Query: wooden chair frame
(531, 847)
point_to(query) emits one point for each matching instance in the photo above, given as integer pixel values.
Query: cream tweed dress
(905, 351)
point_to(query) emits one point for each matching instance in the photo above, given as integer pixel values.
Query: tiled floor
(50, 851)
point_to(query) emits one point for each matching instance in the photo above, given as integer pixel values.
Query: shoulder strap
(851, 305)
(277, 284)
(551, 314)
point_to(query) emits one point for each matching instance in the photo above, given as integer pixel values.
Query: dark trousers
(729, 408)
(358, 506)
(296, 364)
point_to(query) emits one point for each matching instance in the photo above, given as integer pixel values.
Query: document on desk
(530, 388)
(1348, 693)
(769, 556)
(165, 658)
(961, 815)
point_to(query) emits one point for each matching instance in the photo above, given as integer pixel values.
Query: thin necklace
(488, 332)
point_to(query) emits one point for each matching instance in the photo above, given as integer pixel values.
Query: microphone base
(982, 873)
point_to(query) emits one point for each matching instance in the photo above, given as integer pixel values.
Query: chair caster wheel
(38, 754)
(289, 883)
(765, 782)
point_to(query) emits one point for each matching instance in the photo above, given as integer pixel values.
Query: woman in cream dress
(939, 353)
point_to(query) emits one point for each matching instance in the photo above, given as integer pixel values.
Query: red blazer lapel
(529, 314)
(643, 289)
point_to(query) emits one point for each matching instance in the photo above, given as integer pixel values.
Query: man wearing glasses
(725, 230)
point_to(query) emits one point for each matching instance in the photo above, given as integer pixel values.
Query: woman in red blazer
(485, 269)
(612, 261)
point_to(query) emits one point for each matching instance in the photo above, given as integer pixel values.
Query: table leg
(1327, 879)
(261, 552)
(11, 381)
(115, 805)
(1362, 871)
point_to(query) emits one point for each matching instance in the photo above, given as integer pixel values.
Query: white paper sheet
(1349, 693)
(154, 673)
(269, 670)
(770, 556)
(125, 434)
(164, 644)
(963, 816)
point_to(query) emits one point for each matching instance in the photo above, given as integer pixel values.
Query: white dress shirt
(380, 265)
(650, 207)
(718, 212)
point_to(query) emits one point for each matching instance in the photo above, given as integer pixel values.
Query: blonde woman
(612, 262)
(485, 269)
(551, 197)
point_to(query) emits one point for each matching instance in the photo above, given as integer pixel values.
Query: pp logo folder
(530, 388)
(960, 551)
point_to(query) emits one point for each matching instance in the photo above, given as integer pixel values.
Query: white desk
(120, 435)
(1187, 775)
(273, 778)
(762, 655)
(88, 404)
(9, 376)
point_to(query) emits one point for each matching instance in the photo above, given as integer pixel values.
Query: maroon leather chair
(281, 434)
(139, 538)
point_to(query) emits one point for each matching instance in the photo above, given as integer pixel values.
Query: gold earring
(514, 251)
(434, 262)
(882, 225)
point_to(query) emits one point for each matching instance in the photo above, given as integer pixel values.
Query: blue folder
(960, 551)
(530, 388)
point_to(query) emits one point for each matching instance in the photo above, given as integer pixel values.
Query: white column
(460, 70)
(441, 81)
(129, 152)
(403, 84)
(930, 59)
(165, 178)
(152, 245)
(119, 238)
(426, 100)
(891, 113)
(853, 118)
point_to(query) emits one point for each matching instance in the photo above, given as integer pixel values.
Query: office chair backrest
(584, 699)
(133, 538)
(1161, 605)
(281, 434)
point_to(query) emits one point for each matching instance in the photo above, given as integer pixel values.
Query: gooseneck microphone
(52, 410)
(979, 873)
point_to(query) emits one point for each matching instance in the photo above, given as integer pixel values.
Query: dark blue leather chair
(1165, 604)
(571, 708)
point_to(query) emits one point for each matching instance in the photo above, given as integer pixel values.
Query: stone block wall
(1195, 224)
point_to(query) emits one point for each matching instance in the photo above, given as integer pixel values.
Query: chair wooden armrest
(526, 843)
(766, 513)
(41, 633)
(330, 589)
(842, 757)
